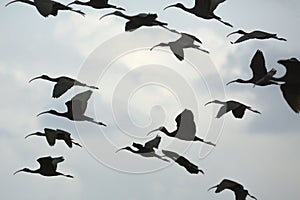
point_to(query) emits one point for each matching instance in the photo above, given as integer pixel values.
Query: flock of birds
(186, 128)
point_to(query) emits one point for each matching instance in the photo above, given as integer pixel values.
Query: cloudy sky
(141, 90)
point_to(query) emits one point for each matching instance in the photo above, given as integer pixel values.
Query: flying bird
(53, 135)
(291, 86)
(76, 108)
(240, 192)
(254, 35)
(47, 7)
(260, 76)
(185, 41)
(182, 161)
(186, 128)
(238, 109)
(203, 8)
(139, 20)
(48, 166)
(63, 84)
(97, 4)
(146, 150)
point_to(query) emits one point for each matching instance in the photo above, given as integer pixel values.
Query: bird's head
(235, 32)
(162, 129)
(53, 112)
(177, 5)
(22, 170)
(159, 45)
(125, 148)
(40, 77)
(36, 133)
(291, 60)
(235, 81)
(11, 3)
(117, 13)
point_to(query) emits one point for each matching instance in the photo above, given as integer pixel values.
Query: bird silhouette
(202, 8)
(238, 109)
(76, 108)
(182, 161)
(186, 128)
(260, 76)
(146, 150)
(139, 20)
(63, 84)
(53, 135)
(254, 35)
(240, 192)
(291, 86)
(185, 41)
(47, 7)
(97, 4)
(48, 166)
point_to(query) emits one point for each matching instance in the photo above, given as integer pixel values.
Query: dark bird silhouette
(237, 108)
(291, 86)
(203, 8)
(182, 161)
(53, 135)
(48, 166)
(254, 35)
(63, 84)
(238, 189)
(260, 76)
(139, 20)
(76, 108)
(185, 41)
(97, 4)
(146, 150)
(186, 128)
(47, 7)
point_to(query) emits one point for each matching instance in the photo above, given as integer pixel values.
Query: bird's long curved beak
(71, 3)
(106, 15)
(212, 187)
(120, 149)
(153, 47)
(11, 3)
(169, 6)
(158, 129)
(230, 82)
(30, 135)
(18, 171)
(42, 113)
(35, 78)
(208, 103)
(231, 33)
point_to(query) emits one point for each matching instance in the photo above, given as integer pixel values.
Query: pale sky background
(141, 90)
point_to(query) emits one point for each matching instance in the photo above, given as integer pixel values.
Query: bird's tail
(79, 12)
(253, 197)
(282, 39)
(220, 20)
(205, 51)
(76, 144)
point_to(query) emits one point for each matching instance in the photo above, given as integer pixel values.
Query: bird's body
(146, 150)
(47, 7)
(240, 192)
(76, 108)
(185, 41)
(63, 84)
(261, 35)
(48, 166)
(139, 20)
(260, 76)
(182, 161)
(97, 4)
(203, 9)
(238, 109)
(53, 135)
(186, 128)
(291, 86)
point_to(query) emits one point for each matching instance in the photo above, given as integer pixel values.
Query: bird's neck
(81, 3)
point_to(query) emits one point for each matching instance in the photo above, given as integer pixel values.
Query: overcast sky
(141, 90)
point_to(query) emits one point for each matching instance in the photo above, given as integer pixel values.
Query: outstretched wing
(223, 110)
(292, 74)
(62, 86)
(46, 163)
(291, 93)
(78, 103)
(214, 4)
(202, 6)
(51, 136)
(258, 66)
(66, 136)
(239, 112)
(177, 51)
(186, 127)
(189, 38)
(153, 143)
